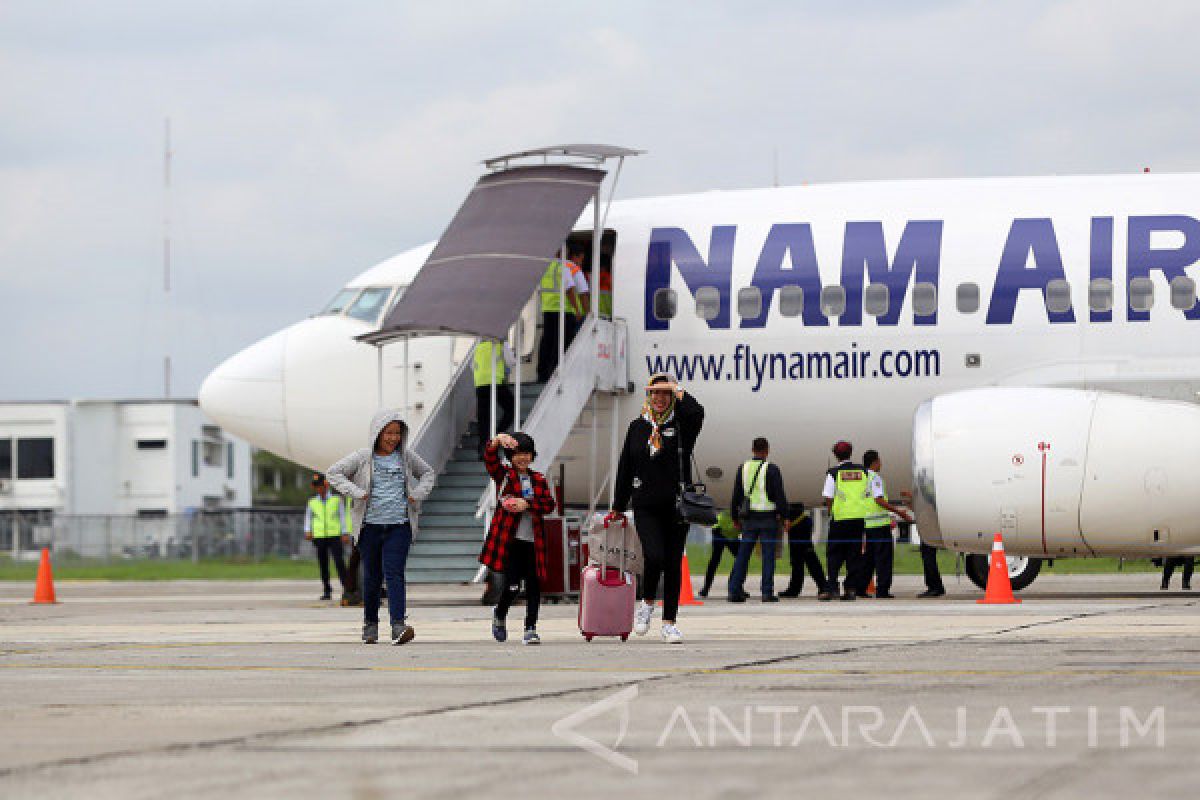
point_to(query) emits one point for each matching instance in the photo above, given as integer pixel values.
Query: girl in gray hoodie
(388, 482)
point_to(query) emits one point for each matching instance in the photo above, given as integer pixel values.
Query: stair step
(460, 548)
(436, 508)
(416, 573)
(473, 467)
(460, 521)
(469, 494)
(462, 481)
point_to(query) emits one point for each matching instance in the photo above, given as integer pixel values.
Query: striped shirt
(388, 504)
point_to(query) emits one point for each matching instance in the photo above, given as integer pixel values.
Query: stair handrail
(447, 421)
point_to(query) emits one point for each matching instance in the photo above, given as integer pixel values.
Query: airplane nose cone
(245, 394)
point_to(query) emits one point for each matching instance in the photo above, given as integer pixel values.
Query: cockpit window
(369, 304)
(339, 302)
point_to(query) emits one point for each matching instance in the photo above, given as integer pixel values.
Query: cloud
(313, 144)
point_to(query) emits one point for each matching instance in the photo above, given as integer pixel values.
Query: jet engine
(1058, 472)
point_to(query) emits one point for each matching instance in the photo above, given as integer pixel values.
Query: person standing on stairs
(648, 478)
(492, 362)
(388, 480)
(562, 281)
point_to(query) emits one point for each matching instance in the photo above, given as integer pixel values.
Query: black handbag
(693, 504)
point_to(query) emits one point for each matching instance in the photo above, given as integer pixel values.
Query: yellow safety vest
(758, 495)
(879, 516)
(326, 516)
(489, 355)
(551, 288)
(852, 495)
(604, 297)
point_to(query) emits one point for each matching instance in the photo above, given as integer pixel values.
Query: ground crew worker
(604, 298)
(583, 304)
(802, 553)
(326, 526)
(492, 360)
(847, 495)
(881, 546)
(724, 537)
(558, 280)
(759, 507)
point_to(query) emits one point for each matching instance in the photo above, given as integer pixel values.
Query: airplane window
(791, 301)
(369, 304)
(967, 298)
(1183, 292)
(833, 301)
(1141, 294)
(340, 301)
(1058, 296)
(876, 299)
(749, 302)
(924, 299)
(664, 304)
(1100, 295)
(708, 303)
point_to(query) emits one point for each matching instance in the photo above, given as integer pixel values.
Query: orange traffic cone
(43, 590)
(871, 586)
(999, 587)
(686, 596)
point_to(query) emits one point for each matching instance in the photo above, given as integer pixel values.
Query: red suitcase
(564, 556)
(606, 600)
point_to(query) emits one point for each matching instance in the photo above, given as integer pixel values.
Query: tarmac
(1089, 687)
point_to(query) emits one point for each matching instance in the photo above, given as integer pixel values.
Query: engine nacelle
(1058, 472)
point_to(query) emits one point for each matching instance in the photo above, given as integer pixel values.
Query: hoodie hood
(381, 421)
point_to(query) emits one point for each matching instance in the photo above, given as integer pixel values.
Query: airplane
(1020, 350)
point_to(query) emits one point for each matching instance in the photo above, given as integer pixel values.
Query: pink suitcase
(606, 601)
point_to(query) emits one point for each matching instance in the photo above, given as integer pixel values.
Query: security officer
(560, 278)
(326, 525)
(847, 495)
(492, 360)
(802, 553)
(759, 508)
(881, 547)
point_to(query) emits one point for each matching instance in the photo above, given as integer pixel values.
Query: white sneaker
(641, 618)
(671, 634)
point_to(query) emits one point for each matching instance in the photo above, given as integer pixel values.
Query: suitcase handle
(604, 557)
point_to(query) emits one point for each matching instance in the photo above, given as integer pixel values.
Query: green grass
(908, 562)
(208, 569)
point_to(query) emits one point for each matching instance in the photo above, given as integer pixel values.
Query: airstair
(477, 280)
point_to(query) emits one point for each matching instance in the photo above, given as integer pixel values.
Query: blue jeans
(384, 550)
(756, 530)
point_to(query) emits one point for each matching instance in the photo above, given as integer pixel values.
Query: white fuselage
(806, 379)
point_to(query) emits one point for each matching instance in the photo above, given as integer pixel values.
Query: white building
(144, 458)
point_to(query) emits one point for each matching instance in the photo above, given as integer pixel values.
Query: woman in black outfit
(648, 480)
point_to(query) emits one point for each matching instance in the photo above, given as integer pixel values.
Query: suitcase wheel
(624, 637)
(587, 637)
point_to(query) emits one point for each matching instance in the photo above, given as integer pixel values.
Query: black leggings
(520, 563)
(663, 537)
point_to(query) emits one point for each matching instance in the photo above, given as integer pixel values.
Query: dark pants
(330, 546)
(933, 576)
(881, 550)
(720, 544)
(548, 346)
(384, 550)
(763, 529)
(803, 554)
(1169, 564)
(846, 540)
(521, 565)
(663, 537)
(929, 561)
(483, 411)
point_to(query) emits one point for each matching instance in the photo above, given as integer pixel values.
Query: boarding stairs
(454, 517)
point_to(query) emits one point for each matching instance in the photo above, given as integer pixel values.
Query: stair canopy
(493, 254)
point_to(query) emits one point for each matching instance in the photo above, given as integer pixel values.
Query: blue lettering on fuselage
(1031, 259)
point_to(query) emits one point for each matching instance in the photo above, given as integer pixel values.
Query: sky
(312, 140)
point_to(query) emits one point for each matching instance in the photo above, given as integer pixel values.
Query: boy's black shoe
(884, 595)
(737, 598)
(770, 598)
(932, 593)
(789, 593)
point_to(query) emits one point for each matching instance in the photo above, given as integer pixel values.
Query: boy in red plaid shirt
(516, 543)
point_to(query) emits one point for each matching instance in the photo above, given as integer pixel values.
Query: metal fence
(243, 534)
